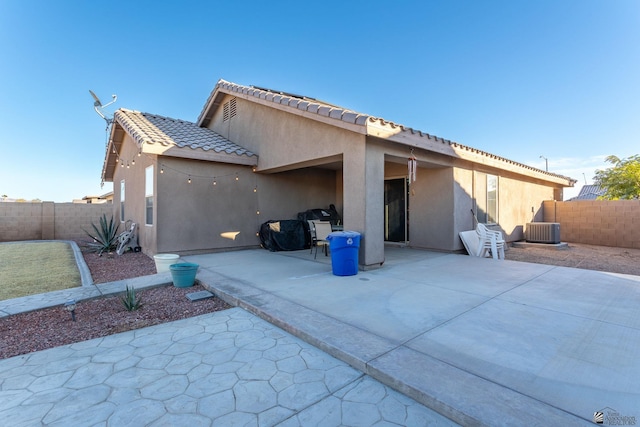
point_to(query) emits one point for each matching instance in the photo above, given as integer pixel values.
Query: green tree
(622, 180)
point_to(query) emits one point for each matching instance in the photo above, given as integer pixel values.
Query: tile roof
(462, 147)
(589, 192)
(299, 102)
(321, 108)
(147, 128)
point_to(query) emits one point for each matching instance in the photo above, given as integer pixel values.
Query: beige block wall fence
(593, 222)
(49, 221)
(597, 222)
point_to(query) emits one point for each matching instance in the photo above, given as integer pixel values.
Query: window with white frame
(486, 195)
(122, 201)
(492, 199)
(148, 195)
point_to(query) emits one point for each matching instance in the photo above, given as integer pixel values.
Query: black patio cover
(284, 235)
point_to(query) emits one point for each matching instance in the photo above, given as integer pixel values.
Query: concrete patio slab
(608, 297)
(481, 341)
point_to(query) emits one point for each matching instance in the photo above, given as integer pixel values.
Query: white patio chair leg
(494, 248)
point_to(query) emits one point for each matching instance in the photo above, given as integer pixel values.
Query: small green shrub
(103, 238)
(130, 301)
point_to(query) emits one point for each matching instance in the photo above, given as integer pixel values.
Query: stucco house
(256, 154)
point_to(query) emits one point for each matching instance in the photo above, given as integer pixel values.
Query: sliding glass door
(396, 210)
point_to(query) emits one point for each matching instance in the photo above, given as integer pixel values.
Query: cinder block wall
(48, 220)
(597, 222)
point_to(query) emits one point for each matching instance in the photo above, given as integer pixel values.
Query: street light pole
(546, 163)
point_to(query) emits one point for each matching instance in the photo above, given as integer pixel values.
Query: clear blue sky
(559, 79)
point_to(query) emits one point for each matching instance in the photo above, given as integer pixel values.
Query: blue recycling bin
(344, 247)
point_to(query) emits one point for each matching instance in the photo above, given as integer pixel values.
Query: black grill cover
(330, 215)
(284, 235)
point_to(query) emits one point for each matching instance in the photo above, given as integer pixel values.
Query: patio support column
(363, 184)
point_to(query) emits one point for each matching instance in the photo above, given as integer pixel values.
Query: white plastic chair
(490, 241)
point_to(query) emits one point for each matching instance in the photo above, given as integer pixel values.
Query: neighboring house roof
(589, 192)
(366, 124)
(105, 196)
(166, 136)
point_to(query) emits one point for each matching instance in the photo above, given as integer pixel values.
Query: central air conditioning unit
(543, 232)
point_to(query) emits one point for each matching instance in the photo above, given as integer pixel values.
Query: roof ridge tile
(336, 113)
(324, 110)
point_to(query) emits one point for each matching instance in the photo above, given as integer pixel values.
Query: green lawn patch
(36, 267)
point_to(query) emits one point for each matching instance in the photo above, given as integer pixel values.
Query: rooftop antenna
(97, 105)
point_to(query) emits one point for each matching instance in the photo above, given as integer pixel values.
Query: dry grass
(28, 268)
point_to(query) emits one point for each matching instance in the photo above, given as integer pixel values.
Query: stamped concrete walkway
(227, 368)
(481, 342)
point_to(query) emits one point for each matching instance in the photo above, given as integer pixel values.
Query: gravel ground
(52, 327)
(109, 268)
(588, 257)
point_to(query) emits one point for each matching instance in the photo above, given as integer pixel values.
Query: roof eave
(111, 157)
(200, 154)
(417, 139)
(210, 106)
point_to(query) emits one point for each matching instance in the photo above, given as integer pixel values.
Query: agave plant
(129, 299)
(104, 238)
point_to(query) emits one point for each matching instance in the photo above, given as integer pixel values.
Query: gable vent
(229, 110)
